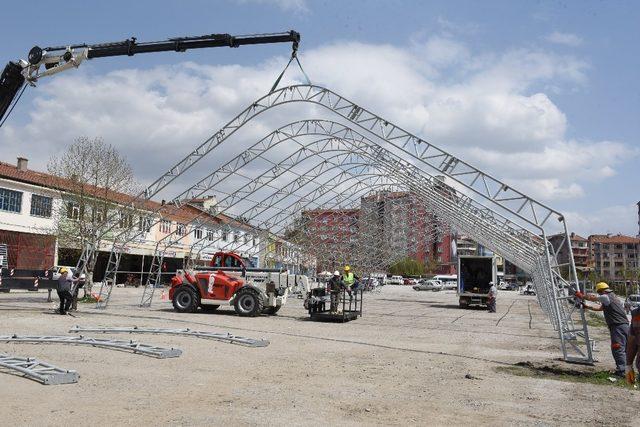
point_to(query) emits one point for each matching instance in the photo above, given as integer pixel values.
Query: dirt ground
(403, 363)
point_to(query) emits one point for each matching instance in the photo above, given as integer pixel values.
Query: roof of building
(10, 171)
(617, 238)
(183, 214)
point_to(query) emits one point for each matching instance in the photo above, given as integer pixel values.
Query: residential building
(615, 256)
(331, 234)
(579, 247)
(408, 229)
(31, 204)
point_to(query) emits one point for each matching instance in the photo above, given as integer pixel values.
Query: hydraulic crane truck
(232, 280)
(475, 273)
(42, 62)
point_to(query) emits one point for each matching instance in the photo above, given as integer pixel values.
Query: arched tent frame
(477, 194)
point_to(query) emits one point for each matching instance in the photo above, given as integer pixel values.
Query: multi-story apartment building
(409, 230)
(615, 256)
(579, 247)
(331, 234)
(31, 202)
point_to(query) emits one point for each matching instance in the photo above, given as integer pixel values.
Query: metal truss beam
(507, 216)
(38, 370)
(131, 346)
(224, 337)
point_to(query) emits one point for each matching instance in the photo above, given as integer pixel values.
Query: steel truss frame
(132, 346)
(450, 192)
(38, 370)
(501, 207)
(224, 337)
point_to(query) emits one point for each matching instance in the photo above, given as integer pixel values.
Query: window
(74, 211)
(180, 229)
(225, 236)
(210, 235)
(126, 220)
(618, 246)
(165, 226)
(98, 215)
(10, 201)
(40, 206)
(144, 224)
(235, 237)
(197, 233)
(254, 241)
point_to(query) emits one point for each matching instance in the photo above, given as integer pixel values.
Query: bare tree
(96, 183)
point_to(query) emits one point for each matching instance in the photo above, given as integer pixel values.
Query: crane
(52, 60)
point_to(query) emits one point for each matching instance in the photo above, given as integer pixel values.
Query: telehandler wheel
(271, 310)
(185, 300)
(248, 303)
(209, 308)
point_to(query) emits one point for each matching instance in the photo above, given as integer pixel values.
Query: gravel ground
(403, 363)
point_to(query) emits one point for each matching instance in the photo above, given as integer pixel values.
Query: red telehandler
(231, 280)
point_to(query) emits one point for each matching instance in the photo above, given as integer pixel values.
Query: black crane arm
(59, 58)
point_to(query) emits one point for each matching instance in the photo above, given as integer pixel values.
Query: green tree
(407, 267)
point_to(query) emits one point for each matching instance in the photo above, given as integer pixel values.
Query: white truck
(475, 273)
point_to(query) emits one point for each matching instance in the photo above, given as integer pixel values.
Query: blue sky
(576, 61)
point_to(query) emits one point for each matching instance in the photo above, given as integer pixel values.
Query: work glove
(630, 375)
(579, 295)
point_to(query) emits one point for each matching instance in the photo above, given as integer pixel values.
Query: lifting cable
(294, 55)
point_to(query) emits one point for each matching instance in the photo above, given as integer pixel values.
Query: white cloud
(486, 107)
(611, 219)
(566, 39)
(297, 6)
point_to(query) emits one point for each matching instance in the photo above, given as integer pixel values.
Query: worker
(65, 282)
(633, 347)
(616, 318)
(335, 287)
(348, 278)
(493, 295)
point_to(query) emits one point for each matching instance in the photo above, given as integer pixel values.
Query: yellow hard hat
(63, 270)
(601, 286)
(347, 268)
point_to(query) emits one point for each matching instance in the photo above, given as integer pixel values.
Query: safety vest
(348, 279)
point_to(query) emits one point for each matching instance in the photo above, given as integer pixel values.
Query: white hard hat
(491, 283)
(336, 273)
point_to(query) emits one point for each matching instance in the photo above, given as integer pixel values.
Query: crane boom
(60, 58)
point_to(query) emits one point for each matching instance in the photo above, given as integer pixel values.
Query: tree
(96, 183)
(407, 267)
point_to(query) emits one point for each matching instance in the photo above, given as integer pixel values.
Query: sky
(541, 94)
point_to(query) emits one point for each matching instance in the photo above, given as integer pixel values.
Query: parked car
(410, 282)
(632, 302)
(428, 285)
(506, 286)
(394, 280)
